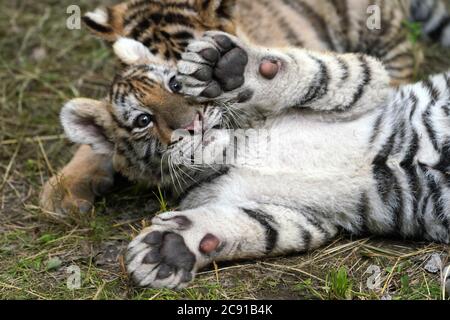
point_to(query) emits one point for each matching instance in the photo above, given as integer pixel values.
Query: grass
(42, 65)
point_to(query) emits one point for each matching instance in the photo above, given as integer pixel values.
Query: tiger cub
(353, 154)
(165, 27)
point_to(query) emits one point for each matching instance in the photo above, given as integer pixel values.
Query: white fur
(314, 186)
(298, 72)
(133, 52)
(99, 15)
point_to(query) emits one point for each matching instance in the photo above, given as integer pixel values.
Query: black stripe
(413, 148)
(141, 27)
(447, 79)
(412, 176)
(206, 4)
(121, 125)
(96, 26)
(175, 18)
(181, 5)
(183, 35)
(434, 92)
(267, 222)
(133, 15)
(446, 110)
(415, 101)
(363, 210)
(344, 66)
(306, 237)
(398, 207)
(139, 3)
(389, 189)
(426, 118)
(319, 86)
(366, 79)
(387, 184)
(436, 195)
(377, 126)
(443, 165)
(145, 7)
(312, 216)
(225, 9)
(149, 40)
(421, 215)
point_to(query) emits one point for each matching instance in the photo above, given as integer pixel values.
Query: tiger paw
(217, 67)
(221, 67)
(75, 188)
(168, 254)
(64, 195)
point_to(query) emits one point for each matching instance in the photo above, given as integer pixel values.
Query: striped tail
(435, 19)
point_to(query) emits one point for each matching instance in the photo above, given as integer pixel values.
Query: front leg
(223, 68)
(178, 244)
(76, 186)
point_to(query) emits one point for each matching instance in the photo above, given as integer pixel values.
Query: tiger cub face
(137, 123)
(143, 121)
(164, 26)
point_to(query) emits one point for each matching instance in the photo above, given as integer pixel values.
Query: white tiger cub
(374, 160)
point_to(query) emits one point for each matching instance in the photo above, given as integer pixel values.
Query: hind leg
(75, 187)
(178, 244)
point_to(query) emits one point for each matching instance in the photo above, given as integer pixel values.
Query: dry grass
(42, 65)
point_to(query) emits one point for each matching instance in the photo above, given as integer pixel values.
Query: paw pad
(269, 69)
(209, 244)
(167, 258)
(212, 66)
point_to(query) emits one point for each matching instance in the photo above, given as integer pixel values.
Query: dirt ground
(44, 64)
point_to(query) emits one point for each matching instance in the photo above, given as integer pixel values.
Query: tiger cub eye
(175, 85)
(143, 121)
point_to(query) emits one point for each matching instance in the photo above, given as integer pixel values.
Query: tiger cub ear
(132, 52)
(107, 23)
(87, 121)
